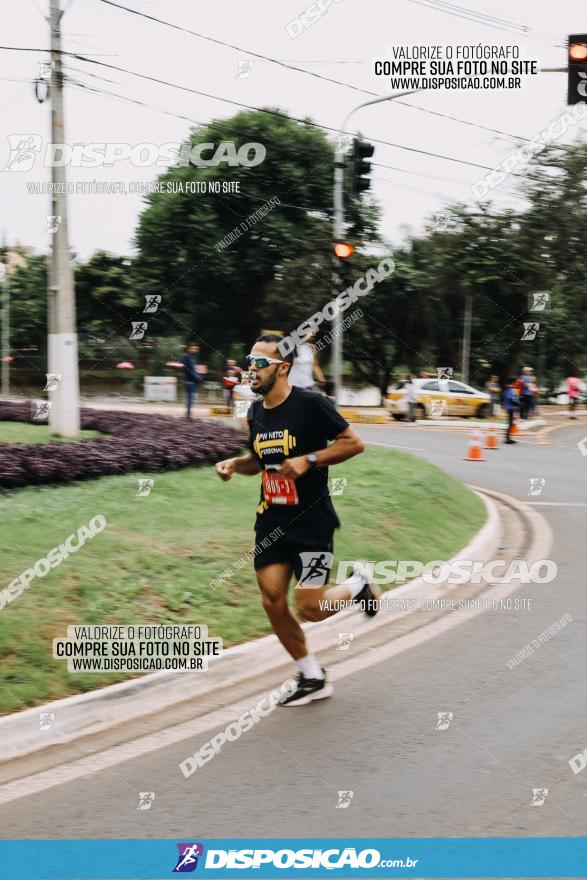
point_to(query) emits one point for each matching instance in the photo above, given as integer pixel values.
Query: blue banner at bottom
(306, 857)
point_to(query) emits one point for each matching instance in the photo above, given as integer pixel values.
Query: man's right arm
(247, 465)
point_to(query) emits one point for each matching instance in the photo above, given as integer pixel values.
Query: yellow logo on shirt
(269, 442)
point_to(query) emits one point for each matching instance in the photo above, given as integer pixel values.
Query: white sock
(309, 667)
(355, 583)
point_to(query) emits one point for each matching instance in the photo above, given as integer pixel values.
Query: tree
(222, 293)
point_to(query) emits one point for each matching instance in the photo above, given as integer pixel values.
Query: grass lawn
(22, 432)
(156, 557)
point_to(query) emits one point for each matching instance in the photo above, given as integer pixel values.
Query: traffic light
(360, 169)
(577, 76)
(343, 250)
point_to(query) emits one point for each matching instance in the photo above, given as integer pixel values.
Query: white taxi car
(439, 397)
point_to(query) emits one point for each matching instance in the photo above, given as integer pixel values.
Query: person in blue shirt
(510, 404)
(526, 396)
(191, 376)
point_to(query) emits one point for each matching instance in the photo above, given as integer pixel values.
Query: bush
(136, 442)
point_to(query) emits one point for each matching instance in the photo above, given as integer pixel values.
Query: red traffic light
(343, 249)
(578, 52)
(577, 69)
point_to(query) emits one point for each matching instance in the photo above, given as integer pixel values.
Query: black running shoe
(307, 690)
(369, 596)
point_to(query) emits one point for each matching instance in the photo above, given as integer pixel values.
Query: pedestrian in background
(411, 397)
(191, 376)
(231, 378)
(573, 390)
(525, 394)
(305, 372)
(510, 404)
(535, 393)
(494, 390)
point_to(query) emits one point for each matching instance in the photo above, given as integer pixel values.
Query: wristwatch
(313, 459)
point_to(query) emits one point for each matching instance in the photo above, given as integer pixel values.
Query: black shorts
(310, 556)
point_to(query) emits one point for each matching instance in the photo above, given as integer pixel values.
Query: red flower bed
(135, 442)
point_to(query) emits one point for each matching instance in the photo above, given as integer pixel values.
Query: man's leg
(318, 602)
(273, 579)
(508, 439)
(273, 582)
(189, 390)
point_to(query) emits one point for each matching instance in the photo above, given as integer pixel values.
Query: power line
(403, 103)
(77, 84)
(104, 92)
(271, 112)
(255, 109)
(290, 66)
(39, 11)
(238, 48)
(115, 95)
(483, 18)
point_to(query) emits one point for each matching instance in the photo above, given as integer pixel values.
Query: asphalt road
(513, 730)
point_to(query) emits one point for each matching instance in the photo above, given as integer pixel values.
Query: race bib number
(278, 489)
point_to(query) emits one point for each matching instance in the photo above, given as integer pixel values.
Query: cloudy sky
(414, 185)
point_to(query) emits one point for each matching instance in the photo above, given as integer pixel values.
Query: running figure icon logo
(40, 410)
(344, 799)
(530, 331)
(316, 567)
(538, 302)
(444, 719)
(152, 302)
(344, 143)
(338, 485)
(539, 795)
(23, 151)
(437, 408)
(241, 408)
(245, 68)
(187, 860)
(146, 799)
(53, 222)
(537, 484)
(138, 329)
(46, 719)
(53, 381)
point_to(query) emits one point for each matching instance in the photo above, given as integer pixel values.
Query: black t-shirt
(303, 423)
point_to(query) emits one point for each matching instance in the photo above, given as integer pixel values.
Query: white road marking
(557, 503)
(397, 446)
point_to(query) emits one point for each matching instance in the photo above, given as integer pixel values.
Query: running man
(289, 430)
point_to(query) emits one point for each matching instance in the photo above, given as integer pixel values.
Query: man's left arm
(346, 445)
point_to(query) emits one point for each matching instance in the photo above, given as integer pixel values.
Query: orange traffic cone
(515, 429)
(475, 451)
(491, 438)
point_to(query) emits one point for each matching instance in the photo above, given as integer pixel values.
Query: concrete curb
(104, 708)
(528, 425)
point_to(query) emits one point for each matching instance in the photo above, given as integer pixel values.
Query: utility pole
(4, 284)
(338, 230)
(62, 343)
(337, 284)
(466, 353)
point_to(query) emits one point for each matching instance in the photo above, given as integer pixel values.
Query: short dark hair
(276, 338)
